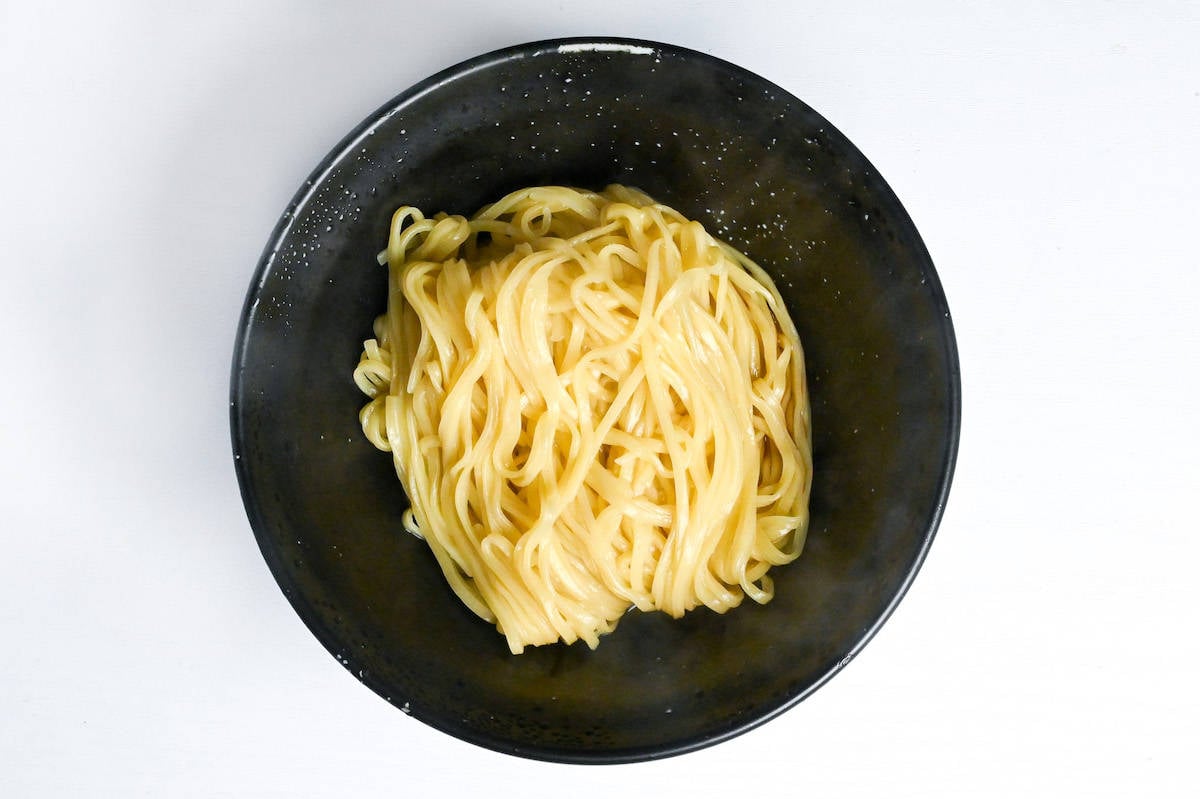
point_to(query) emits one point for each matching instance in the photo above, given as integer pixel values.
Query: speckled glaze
(760, 169)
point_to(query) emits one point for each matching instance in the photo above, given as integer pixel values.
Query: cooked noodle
(592, 404)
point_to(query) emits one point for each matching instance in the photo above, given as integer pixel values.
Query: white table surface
(1050, 156)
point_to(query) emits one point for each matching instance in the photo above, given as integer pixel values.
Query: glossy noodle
(592, 405)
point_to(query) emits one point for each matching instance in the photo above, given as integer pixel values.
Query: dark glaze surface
(759, 169)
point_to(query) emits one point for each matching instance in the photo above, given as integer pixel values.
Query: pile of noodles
(591, 404)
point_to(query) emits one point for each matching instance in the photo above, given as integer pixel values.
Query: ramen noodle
(592, 405)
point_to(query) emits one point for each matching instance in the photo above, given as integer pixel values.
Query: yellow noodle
(592, 405)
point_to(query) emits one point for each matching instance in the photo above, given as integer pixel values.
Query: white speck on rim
(605, 47)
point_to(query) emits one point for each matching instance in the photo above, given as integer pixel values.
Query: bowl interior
(761, 170)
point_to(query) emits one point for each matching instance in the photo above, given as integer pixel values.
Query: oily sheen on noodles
(592, 404)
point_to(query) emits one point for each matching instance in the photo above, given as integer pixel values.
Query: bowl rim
(307, 191)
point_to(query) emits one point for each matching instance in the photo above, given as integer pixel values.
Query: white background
(1048, 152)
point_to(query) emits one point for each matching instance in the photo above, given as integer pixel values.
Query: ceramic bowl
(760, 169)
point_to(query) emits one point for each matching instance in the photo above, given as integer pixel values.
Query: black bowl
(759, 169)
